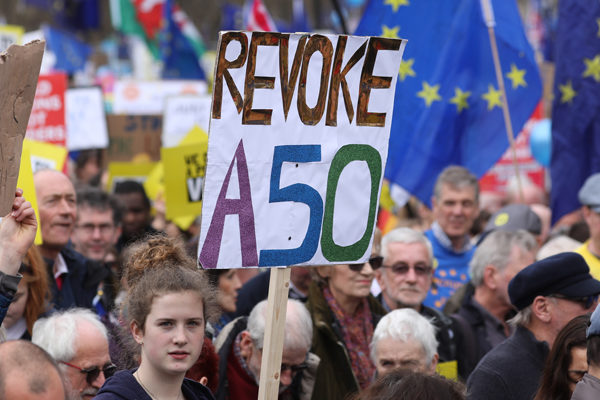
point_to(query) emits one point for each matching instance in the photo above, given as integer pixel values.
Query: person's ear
(136, 332)
(246, 345)
(490, 276)
(542, 308)
(379, 276)
(434, 363)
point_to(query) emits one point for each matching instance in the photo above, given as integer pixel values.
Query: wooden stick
(270, 367)
(488, 16)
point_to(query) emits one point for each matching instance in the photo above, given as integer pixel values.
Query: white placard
(85, 119)
(148, 97)
(296, 159)
(181, 114)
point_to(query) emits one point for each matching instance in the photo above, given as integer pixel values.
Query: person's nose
(367, 269)
(286, 377)
(179, 337)
(99, 380)
(97, 232)
(411, 275)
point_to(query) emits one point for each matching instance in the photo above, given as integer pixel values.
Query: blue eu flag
(576, 108)
(448, 105)
(71, 53)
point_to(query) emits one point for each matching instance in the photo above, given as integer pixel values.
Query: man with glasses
(547, 294)
(481, 320)
(240, 348)
(405, 279)
(98, 224)
(78, 341)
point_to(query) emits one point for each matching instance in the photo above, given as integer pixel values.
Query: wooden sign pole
(270, 368)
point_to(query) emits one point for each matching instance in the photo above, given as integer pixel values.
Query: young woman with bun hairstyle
(166, 308)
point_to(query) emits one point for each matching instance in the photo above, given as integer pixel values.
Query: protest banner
(45, 155)
(298, 139)
(148, 97)
(85, 119)
(128, 171)
(25, 182)
(181, 114)
(9, 35)
(47, 121)
(131, 135)
(19, 71)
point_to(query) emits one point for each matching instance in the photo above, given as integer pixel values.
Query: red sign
(496, 179)
(47, 120)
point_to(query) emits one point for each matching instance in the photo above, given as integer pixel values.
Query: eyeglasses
(585, 301)
(88, 229)
(402, 268)
(294, 368)
(374, 261)
(92, 373)
(576, 375)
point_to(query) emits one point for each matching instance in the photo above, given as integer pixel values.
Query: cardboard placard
(47, 121)
(132, 135)
(85, 119)
(182, 113)
(298, 140)
(19, 71)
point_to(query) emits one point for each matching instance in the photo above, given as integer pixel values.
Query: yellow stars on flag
(460, 99)
(567, 93)
(391, 33)
(406, 69)
(516, 76)
(592, 67)
(492, 96)
(396, 3)
(429, 93)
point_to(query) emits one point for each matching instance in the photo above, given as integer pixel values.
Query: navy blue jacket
(123, 385)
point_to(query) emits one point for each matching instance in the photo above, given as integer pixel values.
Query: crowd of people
(472, 300)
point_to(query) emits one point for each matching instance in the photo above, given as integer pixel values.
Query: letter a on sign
(242, 207)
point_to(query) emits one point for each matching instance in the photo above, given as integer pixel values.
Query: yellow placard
(45, 155)
(184, 178)
(9, 35)
(25, 182)
(184, 222)
(154, 184)
(195, 135)
(128, 171)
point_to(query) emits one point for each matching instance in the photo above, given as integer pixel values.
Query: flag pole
(488, 17)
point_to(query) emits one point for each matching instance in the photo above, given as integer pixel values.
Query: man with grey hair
(405, 279)
(547, 294)
(404, 339)
(455, 206)
(28, 372)
(78, 341)
(240, 349)
(481, 320)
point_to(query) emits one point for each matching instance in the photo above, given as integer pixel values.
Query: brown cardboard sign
(132, 136)
(19, 72)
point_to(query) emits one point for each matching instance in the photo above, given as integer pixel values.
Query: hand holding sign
(293, 174)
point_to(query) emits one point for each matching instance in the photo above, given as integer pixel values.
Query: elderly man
(98, 223)
(548, 294)
(455, 207)
(404, 339)
(589, 197)
(240, 348)
(481, 320)
(28, 372)
(73, 279)
(405, 279)
(78, 341)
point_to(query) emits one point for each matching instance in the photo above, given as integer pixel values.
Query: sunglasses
(294, 368)
(374, 261)
(585, 301)
(92, 373)
(402, 268)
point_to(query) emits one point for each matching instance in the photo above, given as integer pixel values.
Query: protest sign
(182, 113)
(25, 182)
(298, 138)
(128, 171)
(19, 70)
(47, 121)
(45, 155)
(85, 119)
(148, 97)
(131, 135)
(184, 177)
(9, 35)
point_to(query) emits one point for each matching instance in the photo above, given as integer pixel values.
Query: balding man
(28, 373)
(73, 279)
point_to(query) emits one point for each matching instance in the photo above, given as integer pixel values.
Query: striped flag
(259, 18)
